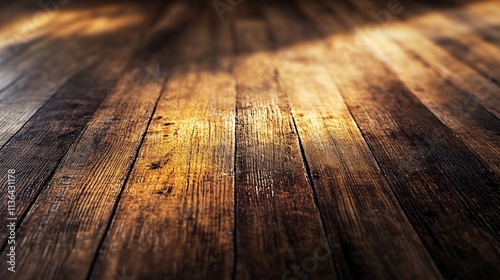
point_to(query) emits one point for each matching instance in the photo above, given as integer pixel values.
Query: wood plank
(447, 193)
(88, 181)
(42, 51)
(33, 30)
(183, 174)
(460, 40)
(46, 76)
(55, 64)
(12, 118)
(59, 123)
(321, 149)
(481, 89)
(51, 221)
(273, 195)
(452, 106)
(63, 31)
(56, 48)
(350, 187)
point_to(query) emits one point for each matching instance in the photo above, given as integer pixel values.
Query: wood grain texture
(350, 187)
(63, 119)
(431, 172)
(461, 41)
(49, 66)
(183, 173)
(454, 107)
(58, 122)
(278, 140)
(278, 226)
(481, 88)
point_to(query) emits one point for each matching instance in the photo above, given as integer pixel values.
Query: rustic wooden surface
(277, 140)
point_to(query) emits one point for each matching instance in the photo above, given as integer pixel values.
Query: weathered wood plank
(350, 187)
(452, 106)
(460, 40)
(55, 215)
(480, 88)
(10, 118)
(449, 196)
(183, 174)
(278, 226)
(37, 149)
(331, 151)
(89, 179)
(31, 79)
(58, 122)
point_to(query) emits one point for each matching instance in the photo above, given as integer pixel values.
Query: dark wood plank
(32, 78)
(350, 187)
(59, 122)
(321, 149)
(183, 174)
(64, 34)
(13, 117)
(460, 40)
(278, 226)
(450, 197)
(454, 107)
(45, 228)
(91, 175)
(450, 69)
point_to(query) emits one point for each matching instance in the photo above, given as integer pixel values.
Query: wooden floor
(247, 139)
